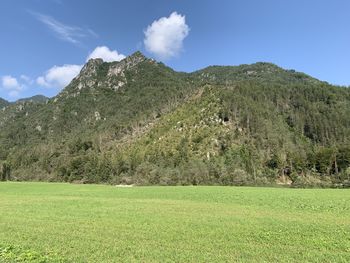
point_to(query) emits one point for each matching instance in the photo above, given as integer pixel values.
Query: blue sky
(45, 42)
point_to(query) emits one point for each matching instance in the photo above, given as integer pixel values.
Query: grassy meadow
(50, 222)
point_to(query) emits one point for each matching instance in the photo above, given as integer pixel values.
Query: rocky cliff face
(96, 73)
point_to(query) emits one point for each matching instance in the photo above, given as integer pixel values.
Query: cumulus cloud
(106, 54)
(165, 36)
(26, 79)
(12, 86)
(59, 76)
(9, 82)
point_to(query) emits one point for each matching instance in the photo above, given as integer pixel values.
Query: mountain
(138, 121)
(36, 98)
(3, 103)
(10, 110)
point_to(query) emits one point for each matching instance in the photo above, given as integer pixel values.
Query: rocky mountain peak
(96, 73)
(91, 66)
(132, 60)
(137, 54)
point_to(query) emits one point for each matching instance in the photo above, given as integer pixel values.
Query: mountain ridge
(3, 103)
(35, 98)
(138, 54)
(139, 121)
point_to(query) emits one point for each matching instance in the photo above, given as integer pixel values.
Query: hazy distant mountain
(3, 103)
(36, 98)
(139, 121)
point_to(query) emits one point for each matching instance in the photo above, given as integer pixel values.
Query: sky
(44, 43)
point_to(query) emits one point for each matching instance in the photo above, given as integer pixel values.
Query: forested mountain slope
(138, 121)
(3, 103)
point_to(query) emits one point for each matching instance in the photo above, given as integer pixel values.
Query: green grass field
(47, 222)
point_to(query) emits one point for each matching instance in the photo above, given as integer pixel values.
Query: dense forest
(138, 121)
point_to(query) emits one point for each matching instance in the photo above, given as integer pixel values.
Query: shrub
(310, 181)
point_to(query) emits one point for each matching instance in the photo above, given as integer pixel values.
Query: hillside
(139, 121)
(3, 103)
(36, 98)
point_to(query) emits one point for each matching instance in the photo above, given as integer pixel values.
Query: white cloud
(106, 54)
(27, 79)
(12, 86)
(9, 82)
(71, 34)
(42, 82)
(59, 76)
(165, 36)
